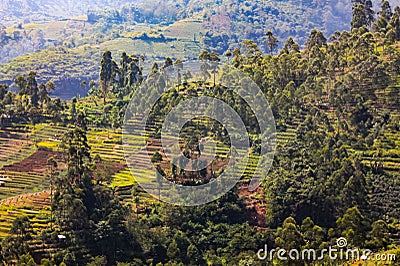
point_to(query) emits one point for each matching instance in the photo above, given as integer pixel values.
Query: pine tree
(32, 88)
(384, 17)
(394, 24)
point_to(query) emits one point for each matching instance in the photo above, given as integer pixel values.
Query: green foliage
(97, 261)
(15, 246)
(335, 171)
(156, 158)
(173, 251)
(47, 262)
(175, 234)
(379, 235)
(353, 227)
(108, 74)
(289, 236)
(26, 260)
(313, 235)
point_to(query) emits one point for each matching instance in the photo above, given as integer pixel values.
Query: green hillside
(77, 179)
(193, 25)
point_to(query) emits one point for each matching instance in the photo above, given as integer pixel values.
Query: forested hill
(230, 21)
(157, 29)
(246, 19)
(68, 197)
(335, 174)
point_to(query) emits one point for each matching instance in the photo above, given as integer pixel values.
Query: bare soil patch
(256, 204)
(36, 163)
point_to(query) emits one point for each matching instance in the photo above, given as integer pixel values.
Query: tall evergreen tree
(384, 16)
(363, 14)
(32, 88)
(108, 74)
(353, 226)
(271, 41)
(394, 25)
(289, 236)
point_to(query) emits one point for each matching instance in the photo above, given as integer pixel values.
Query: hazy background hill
(63, 41)
(26, 11)
(226, 22)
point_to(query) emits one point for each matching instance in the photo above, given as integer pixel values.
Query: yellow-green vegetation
(56, 30)
(185, 29)
(335, 172)
(39, 217)
(107, 144)
(125, 178)
(48, 145)
(48, 134)
(18, 183)
(16, 154)
(74, 63)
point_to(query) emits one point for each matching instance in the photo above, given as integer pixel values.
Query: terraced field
(15, 144)
(24, 165)
(19, 183)
(24, 144)
(385, 152)
(108, 145)
(39, 217)
(24, 171)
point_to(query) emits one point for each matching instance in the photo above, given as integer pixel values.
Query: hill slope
(219, 25)
(23, 11)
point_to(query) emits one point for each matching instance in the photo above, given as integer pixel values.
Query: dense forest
(335, 172)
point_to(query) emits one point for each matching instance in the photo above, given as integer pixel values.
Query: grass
(48, 145)
(154, 51)
(185, 29)
(83, 60)
(18, 183)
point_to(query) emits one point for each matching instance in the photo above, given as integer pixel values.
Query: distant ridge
(13, 12)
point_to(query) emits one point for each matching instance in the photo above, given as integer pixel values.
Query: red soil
(256, 204)
(108, 169)
(37, 162)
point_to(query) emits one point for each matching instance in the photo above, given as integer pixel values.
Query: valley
(88, 178)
